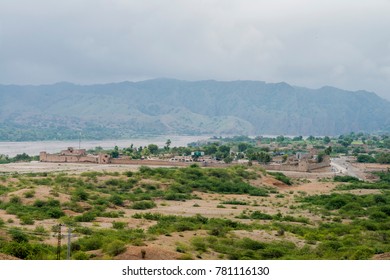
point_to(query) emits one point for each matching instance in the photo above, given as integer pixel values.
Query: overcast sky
(312, 43)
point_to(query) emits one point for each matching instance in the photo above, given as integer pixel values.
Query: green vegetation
(109, 211)
(18, 158)
(281, 177)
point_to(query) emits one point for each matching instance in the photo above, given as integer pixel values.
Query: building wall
(45, 157)
(302, 166)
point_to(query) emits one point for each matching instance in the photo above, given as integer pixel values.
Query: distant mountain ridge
(166, 106)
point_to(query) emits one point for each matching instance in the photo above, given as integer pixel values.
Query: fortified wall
(74, 156)
(299, 165)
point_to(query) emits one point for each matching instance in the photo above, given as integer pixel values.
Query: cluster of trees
(383, 158)
(17, 158)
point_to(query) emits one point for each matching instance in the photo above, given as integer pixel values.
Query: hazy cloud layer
(303, 42)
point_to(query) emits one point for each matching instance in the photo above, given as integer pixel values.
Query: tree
(145, 152)
(115, 152)
(383, 158)
(365, 158)
(326, 140)
(263, 157)
(280, 138)
(320, 156)
(228, 159)
(153, 149)
(223, 152)
(210, 149)
(242, 147)
(167, 144)
(328, 150)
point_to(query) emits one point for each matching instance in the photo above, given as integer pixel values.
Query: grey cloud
(303, 42)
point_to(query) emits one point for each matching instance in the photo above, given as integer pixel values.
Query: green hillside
(165, 106)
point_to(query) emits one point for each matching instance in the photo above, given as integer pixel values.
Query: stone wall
(302, 166)
(45, 157)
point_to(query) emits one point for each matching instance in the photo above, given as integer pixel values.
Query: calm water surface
(33, 148)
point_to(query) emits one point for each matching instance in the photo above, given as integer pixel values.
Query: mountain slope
(163, 106)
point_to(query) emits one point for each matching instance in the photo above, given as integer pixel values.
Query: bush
(281, 177)
(144, 204)
(257, 215)
(80, 195)
(345, 179)
(365, 158)
(115, 248)
(86, 217)
(18, 235)
(116, 199)
(15, 200)
(234, 202)
(79, 255)
(25, 250)
(29, 194)
(176, 196)
(199, 244)
(119, 225)
(90, 243)
(27, 220)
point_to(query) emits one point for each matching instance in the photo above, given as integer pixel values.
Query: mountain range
(167, 106)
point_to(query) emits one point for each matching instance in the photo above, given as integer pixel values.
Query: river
(33, 148)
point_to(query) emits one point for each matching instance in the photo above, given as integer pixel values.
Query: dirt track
(35, 166)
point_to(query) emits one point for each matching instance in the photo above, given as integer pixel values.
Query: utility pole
(69, 244)
(59, 242)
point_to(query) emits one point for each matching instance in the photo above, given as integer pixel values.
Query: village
(300, 162)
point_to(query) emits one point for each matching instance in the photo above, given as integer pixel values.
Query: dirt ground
(281, 200)
(73, 168)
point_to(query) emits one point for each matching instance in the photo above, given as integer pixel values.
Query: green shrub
(27, 220)
(115, 248)
(346, 179)
(336, 203)
(39, 203)
(281, 177)
(15, 200)
(79, 255)
(86, 217)
(28, 251)
(18, 235)
(257, 215)
(378, 216)
(80, 195)
(119, 225)
(116, 199)
(29, 194)
(199, 244)
(176, 196)
(234, 202)
(142, 205)
(247, 243)
(90, 243)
